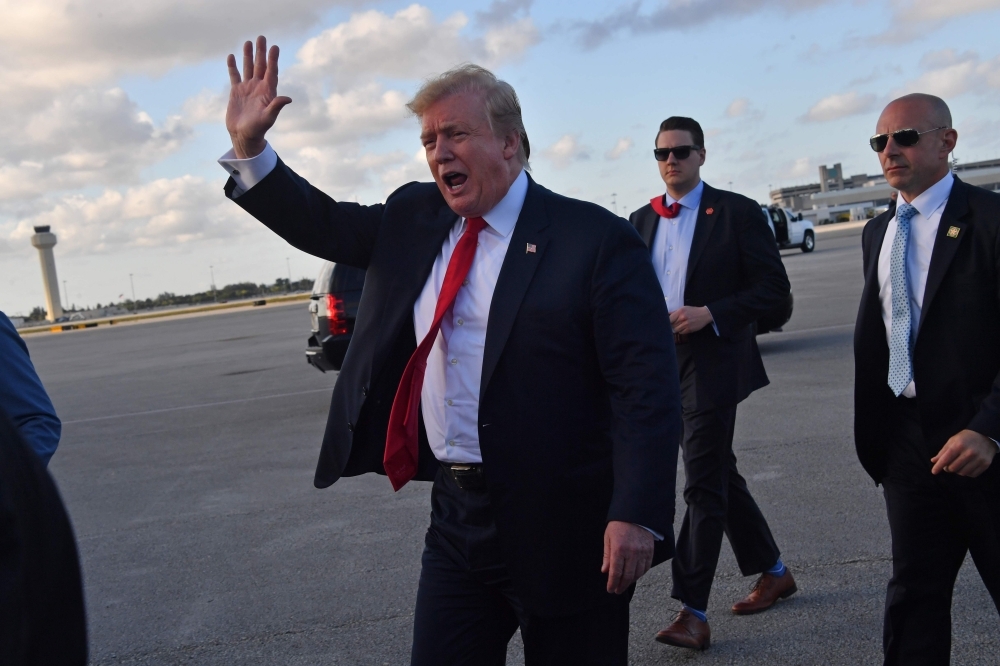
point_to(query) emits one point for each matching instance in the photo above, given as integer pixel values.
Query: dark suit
(956, 371)
(42, 618)
(733, 268)
(577, 423)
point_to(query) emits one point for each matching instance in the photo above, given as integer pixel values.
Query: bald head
(912, 169)
(932, 108)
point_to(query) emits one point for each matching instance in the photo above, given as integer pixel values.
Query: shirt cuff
(714, 326)
(656, 535)
(250, 171)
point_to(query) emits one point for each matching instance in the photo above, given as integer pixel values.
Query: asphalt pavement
(187, 462)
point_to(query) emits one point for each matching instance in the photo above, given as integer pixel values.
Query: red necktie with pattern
(400, 460)
(665, 211)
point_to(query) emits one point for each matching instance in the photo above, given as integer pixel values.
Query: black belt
(467, 476)
(680, 338)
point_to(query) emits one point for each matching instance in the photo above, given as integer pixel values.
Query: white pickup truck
(789, 229)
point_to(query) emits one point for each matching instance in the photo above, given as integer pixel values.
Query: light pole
(289, 266)
(211, 272)
(65, 294)
(614, 203)
(135, 306)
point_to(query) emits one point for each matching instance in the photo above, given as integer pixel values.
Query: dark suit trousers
(718, 501)
(467, 608)
(935, 521)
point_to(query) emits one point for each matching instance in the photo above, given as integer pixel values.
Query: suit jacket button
(364, 391)
(350, 426)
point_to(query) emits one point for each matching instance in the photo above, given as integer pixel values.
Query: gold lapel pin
(953, 232)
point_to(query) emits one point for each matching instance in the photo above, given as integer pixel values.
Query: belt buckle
(466, 477)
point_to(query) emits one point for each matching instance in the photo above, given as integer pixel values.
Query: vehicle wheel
(809, 242)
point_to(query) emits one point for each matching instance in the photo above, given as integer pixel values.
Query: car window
(322, 284)
(347, 278)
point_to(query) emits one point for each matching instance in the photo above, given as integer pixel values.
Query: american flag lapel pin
(531, 249)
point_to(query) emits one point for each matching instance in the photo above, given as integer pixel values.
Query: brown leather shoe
(686, 631)
(765, 593)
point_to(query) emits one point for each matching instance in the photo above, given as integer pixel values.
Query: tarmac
(187, 460)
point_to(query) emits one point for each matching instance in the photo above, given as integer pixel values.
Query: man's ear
(950, 140)
(511, 143)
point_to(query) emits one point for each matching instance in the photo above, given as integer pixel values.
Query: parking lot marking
(207, 404)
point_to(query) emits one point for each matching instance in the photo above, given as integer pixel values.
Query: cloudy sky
(112, 110)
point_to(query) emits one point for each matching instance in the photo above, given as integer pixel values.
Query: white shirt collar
(690, 200)
(933, 197)
(504, 215)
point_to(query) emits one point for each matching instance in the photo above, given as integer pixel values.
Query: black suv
(333, 308)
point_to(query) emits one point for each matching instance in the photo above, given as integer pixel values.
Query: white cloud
(340, 118)
(54, 43)
(937, 10)
(738, 107)
(160, 213)
(677, 15)
(566, 150)
(621, 147)
(66, 126)
(948, 74)
(801, 168)
(834, 107)
(81, 137)
(410, 44)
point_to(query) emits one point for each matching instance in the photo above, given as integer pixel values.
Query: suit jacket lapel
(945, 246)
(515, 275)
(646, 225)
(418, 250)
(703, 226)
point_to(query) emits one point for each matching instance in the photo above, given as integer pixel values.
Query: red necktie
(400, 459)
(665, 211)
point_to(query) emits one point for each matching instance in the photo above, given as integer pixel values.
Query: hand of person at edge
(967, 454)
(628, 554)
(253, 100)
(688, 319)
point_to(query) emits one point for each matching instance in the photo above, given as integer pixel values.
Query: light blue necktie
(901, 338)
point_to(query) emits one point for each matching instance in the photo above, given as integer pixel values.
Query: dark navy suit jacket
(735, 269)
(956, 357)
(579, 410)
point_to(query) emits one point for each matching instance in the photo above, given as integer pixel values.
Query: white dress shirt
(923, 231)
(672, 248)
(449, 399)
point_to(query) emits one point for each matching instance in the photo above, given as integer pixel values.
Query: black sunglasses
(682, 152)
(904, 137)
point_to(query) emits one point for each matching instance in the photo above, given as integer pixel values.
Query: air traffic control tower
(45, 240)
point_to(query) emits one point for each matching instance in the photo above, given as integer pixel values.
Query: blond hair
(503, 109)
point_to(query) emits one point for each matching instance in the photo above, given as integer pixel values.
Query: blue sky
(114, 114)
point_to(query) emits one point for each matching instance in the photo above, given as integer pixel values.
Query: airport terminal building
(859, 197)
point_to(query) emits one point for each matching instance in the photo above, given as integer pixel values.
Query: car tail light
(336, 318)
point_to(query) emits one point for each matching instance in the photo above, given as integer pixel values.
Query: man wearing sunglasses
(719, 268)
(927, 376)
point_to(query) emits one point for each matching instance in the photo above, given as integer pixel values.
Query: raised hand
(254, 103)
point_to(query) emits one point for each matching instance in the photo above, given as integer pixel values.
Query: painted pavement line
(207, 404)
